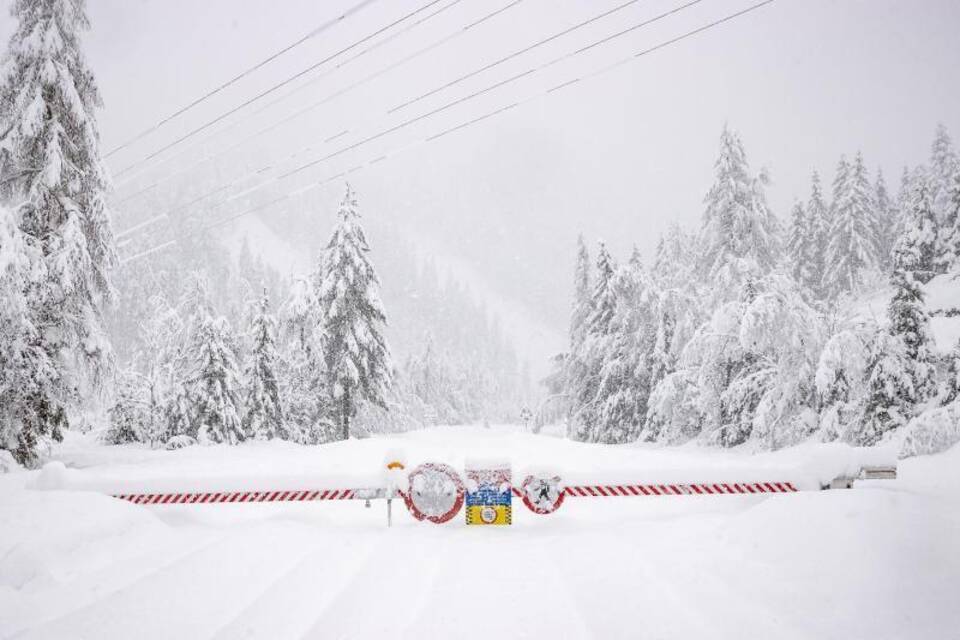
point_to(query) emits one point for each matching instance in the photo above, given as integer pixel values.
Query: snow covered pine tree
(740, 235)
(355, 352)
(852, 248)
(901, 365)
(216, 389)
(263, 416)
(50, 167)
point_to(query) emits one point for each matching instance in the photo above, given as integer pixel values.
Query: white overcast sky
(617, 157)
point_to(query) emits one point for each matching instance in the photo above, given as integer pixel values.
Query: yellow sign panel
(488, 514)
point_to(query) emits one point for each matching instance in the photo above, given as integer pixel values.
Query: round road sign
(435, 492)
(542, 495)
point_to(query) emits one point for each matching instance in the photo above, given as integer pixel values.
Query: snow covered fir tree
(352, 319)
(60, 244)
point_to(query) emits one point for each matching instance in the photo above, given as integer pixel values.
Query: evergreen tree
(886, 223)
(901, 366)
(574, 365)
(355, 352)
(818, 227)
(918, 241)
(603, 308)
(852, 248)
(26, 369)
(263, 417)
(943, 168)
(675, 259)
(739, 233)
(130, 410)
(890, 392)
(215, 385)
(903, 200)
(798, 246)
(948, 245)
(624, 376)
(304, 382)
(50, 164)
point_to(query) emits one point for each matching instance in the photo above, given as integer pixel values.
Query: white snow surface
(879, 561)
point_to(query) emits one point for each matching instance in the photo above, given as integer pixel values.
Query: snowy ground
(879, 561)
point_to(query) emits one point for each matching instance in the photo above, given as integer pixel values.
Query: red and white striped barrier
(744, 488)
(435, 492)
(251, 496)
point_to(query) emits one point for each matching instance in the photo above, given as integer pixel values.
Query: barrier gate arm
(541, 495)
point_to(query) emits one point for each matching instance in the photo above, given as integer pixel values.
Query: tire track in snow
(287, 606)
(88, 590)
(390, 584)
(198, 593)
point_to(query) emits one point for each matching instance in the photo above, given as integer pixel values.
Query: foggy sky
(617, 157)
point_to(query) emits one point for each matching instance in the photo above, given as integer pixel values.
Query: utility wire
(489, 88)
(315, 32)
(513, 55)
(599, 72)
(316, 104)
(414, 120)
(259, 170)
(273, 88)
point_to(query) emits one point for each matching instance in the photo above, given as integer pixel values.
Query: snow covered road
(880, 561)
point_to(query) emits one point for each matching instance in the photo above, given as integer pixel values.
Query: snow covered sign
(542, 495)
(435, 493)
(488, 493)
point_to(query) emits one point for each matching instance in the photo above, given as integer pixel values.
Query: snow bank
(825, 564)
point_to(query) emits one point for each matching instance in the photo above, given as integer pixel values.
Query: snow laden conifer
(901, 368)
(917, 244)
(840, 382)
(886, 223)
(798, 246)
(51, 169)
(852, 246)
(938, 428)
(263, 413)
(943, 167)
(818, 227)
(574, 364)
(948, 238)
(355, 352)
(26, 370)
(739, 235)
(216, 385)
(603, 308)
(624, 375)
(674, 262)
(303, 381)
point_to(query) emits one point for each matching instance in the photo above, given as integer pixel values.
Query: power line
(273, 88)
(602, 71)
(406, 123)
(489, 88)
(513, 55)
(339, 93)
(259, 170)
(312, 34)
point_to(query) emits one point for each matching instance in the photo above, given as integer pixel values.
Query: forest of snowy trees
(199, 343)
(748, 330)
